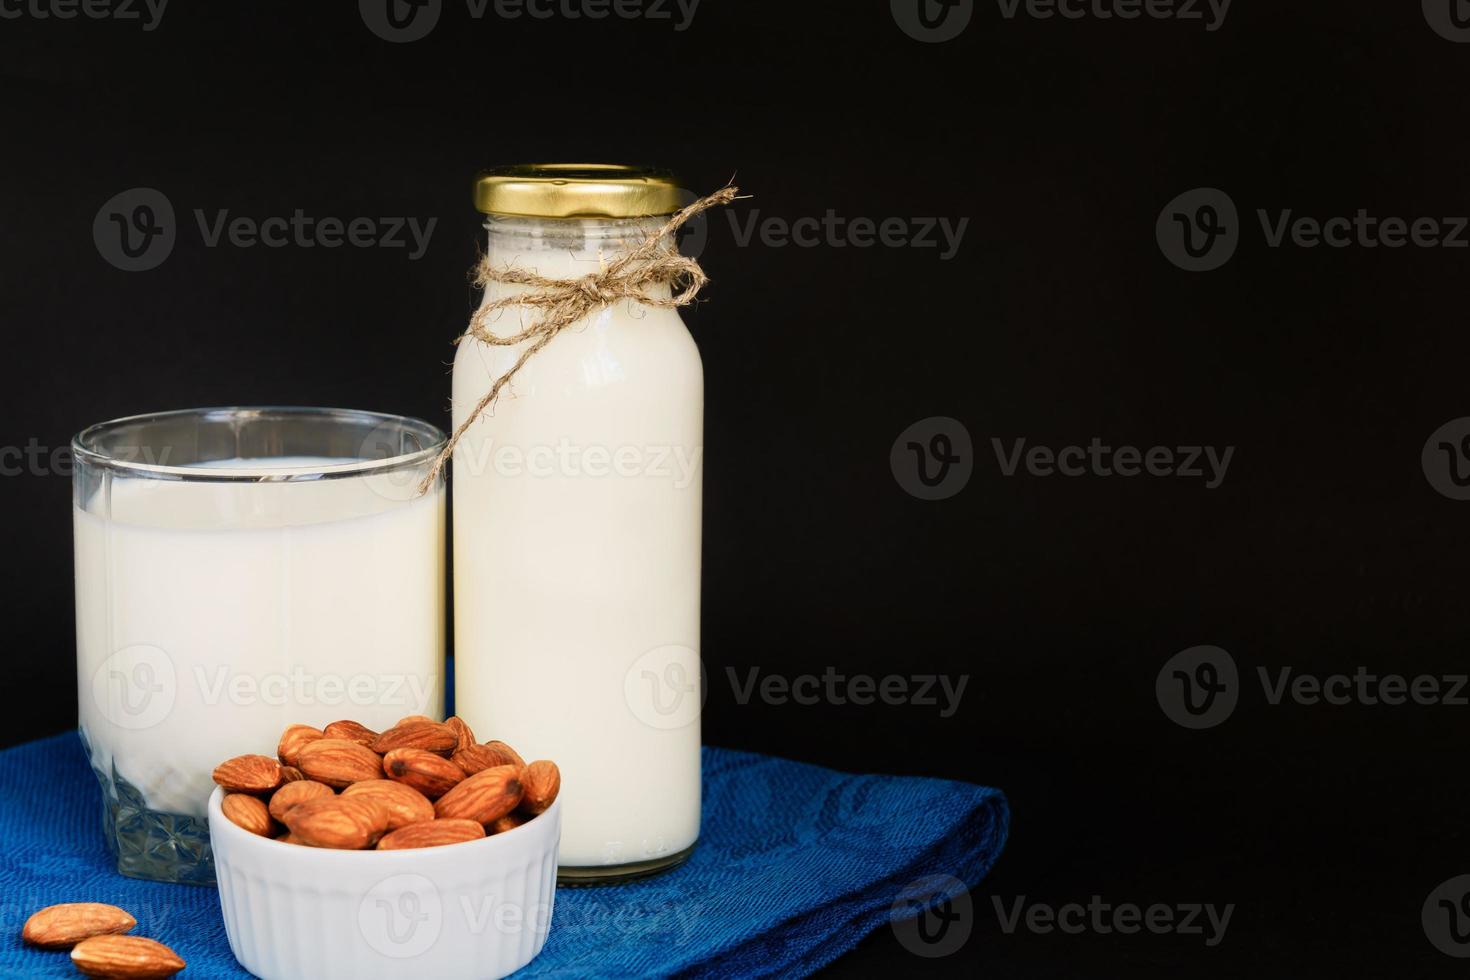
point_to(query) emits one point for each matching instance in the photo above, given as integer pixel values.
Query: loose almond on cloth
(125, 958)
(63, 926)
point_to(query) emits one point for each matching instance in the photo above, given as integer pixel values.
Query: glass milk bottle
(577, 527)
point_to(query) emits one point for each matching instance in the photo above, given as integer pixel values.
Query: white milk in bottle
(577, 527)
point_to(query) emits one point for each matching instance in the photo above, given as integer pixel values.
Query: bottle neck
(562, 248)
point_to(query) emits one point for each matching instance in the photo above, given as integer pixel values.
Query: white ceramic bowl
(472, 910)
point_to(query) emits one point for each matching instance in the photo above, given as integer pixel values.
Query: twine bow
(562, 302)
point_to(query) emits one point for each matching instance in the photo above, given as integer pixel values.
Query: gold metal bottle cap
(577, 190)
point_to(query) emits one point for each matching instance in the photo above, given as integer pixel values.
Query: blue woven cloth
(795, 864)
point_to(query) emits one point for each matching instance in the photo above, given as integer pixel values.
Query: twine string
(563, 302)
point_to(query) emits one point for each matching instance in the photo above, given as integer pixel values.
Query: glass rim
(85, 451)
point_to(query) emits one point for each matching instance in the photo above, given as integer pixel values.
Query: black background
(1059, 320)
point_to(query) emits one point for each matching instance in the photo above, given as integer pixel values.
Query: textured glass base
(146, 843)
(617, 874)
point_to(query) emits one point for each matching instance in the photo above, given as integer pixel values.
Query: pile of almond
(95, 935)
(421, 783)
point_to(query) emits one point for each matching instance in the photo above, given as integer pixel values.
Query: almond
(352, 732)
(248, 774)
(431, 775)
(484, 797)
(244, 810)
(477, 758)
(462, 730)
(508, 822)
(340, 822)
(427, 735)
(61, 926)
(125, 958)
(404, 804)
(510, 755)
(292, 739)
(296, 793)
(539, 783)
(338, 762)
(290, 774)
(431, 833)
(290, 838)
(410, 719)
